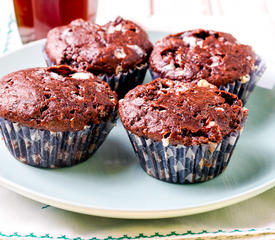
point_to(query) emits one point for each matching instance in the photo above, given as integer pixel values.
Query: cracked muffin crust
(115, 47)
(181, 113)
(55, 98)
(202, 54)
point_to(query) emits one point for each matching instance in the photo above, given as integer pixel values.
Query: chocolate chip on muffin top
(115, 47)
(202, 54)
(181, 113)
(55, 98)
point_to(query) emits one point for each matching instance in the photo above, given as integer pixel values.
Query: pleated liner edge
(183, 164)
(45, 149)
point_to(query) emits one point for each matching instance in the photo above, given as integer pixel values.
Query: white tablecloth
(26, 219)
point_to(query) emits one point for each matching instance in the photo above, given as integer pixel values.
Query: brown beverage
(36, 17)
(24, 18)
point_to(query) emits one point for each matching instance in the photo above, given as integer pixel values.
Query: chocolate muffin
(204, 54)
(117, 52)
(182, 132)
(55, 117)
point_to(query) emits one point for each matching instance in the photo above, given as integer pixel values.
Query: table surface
(253, 23)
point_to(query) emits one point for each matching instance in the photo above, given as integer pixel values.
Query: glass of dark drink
(36, 17)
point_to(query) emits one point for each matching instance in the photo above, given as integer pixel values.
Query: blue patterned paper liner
(46, 149)
(240, 88)
(183, 164)
(125, 81)
(122, 82)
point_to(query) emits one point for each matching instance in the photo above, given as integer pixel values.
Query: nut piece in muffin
(117, 52)
(182, 132)
(205, 54)
(56, 116)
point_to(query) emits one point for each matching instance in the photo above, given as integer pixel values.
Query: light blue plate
(111, 183)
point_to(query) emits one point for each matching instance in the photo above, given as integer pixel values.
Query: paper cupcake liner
(122, 82)
(243, 90)
(45, 149)
(125, 81)
(240, 88)
(183, 164)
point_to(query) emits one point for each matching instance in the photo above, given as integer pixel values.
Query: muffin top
(181, 113)
(56, 98)
(115, 47)
(202, 54)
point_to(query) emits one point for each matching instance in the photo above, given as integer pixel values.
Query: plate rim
(130, 214)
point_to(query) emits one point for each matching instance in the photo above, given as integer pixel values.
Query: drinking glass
(36, 17)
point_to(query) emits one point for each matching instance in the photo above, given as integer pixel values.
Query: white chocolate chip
(169, 67)
(188, 72)
(219, 109)
(138, 101)
(204, 83)
(119, 53)
(227, 43)
(180, 89)
(214, 64)
(215, 61)
(248, 58)
(54, 75)
(40, 71)
(191, 41)
(113, 29)
(199, 43)
(179, 72)
(178, 57)
(211, 124)
(136, 48)
(78, 97)
(245, 78)
(66, 32)
(81, 76)
(98, 89)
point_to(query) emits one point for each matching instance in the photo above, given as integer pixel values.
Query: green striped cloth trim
(143, 236)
